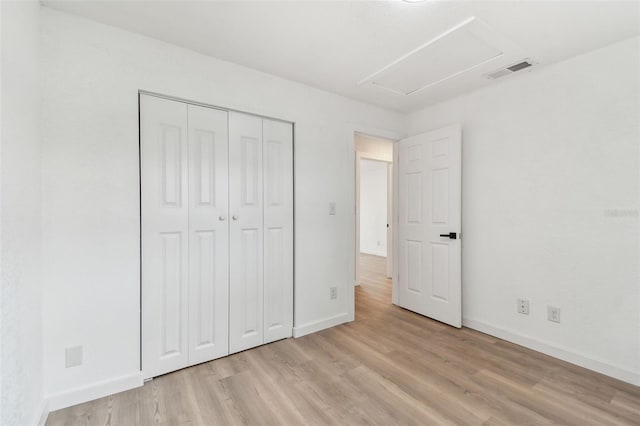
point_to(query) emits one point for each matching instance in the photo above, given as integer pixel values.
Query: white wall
(565, 136)
(550, 206)
(373, 207)
(90, 191)
(21, 385)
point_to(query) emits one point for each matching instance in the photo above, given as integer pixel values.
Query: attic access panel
(463, 48)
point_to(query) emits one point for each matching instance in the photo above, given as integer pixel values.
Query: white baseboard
(94, 391)
(554, 351)
(312, 327)
(373, 252)
(42, 414)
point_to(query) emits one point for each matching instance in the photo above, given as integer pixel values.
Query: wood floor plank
(389, 367)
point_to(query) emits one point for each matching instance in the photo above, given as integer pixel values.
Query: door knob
(221, 218)
(235, 217)
(450, 235)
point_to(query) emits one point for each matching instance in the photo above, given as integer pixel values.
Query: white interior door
(430, 197)
(246, 319)
(278, 229)
(165, 223)
(208, 234)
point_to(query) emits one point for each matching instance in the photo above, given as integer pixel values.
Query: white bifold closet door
(261, 235)
(246, 285)
(278, 229)
(208, 234)
(165, 228)
(184, 234)
(217, 233)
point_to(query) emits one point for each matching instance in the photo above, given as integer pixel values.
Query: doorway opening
(374, 227)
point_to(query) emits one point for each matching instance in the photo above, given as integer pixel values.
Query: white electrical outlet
(523, 306)
(332, 208)
(553, 314)
(333, 293)
(73, 356)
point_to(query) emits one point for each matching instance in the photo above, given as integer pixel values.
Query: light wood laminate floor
(388, 367)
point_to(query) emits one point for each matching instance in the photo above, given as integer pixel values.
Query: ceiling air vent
(510, 70)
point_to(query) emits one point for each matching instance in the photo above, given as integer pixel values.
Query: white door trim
(360, 155)
(396, 221)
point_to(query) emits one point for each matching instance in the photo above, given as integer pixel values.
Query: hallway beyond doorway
(373, 279)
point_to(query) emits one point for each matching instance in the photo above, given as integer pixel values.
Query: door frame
(394, 137)
(368, 156)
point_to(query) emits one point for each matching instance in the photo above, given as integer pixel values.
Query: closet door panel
(278, 229)
(208, 234)
(246, 232)
(164, 210)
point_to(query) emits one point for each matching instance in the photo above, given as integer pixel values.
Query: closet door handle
(235, 217)
(222, 218)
